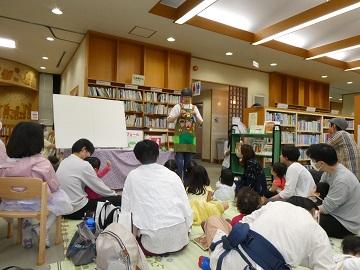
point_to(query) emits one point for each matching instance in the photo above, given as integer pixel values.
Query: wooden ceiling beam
(339, 45)
(301, 18)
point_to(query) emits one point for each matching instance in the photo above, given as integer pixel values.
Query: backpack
(118, 249)
(260, 250)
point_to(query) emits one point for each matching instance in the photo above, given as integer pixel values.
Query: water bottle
(204, 263)
(90, 223)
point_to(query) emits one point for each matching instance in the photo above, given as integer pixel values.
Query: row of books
(156, 97)
(303, 155)
(155, 122)
(312, 126)
(133, 106)
(284, 118)
(6, 130)
(133, 121)
(115, 93)
(287, 137)
(150, 108)
(350, 123)
(305, 139)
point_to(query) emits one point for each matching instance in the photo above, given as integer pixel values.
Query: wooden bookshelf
(298, 128)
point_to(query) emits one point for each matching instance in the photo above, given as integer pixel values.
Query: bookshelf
(146, 108)
(267, 148)
(298, 128)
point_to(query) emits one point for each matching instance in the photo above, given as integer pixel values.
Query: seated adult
(299, 181)
(75, 174)
(23, 149)
(157, 199)
(292, 231)
(340, 210)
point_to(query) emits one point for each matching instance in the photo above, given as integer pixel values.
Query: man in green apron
(186, 116)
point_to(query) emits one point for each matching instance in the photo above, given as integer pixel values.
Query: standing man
(186, 116)
(347, 151)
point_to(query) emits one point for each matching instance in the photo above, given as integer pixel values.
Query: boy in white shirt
(225, 188)
(299, 181)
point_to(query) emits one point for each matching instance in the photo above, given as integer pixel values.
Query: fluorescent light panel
(196, 10)
(334, 52)
(309, 23)
(7, 43)
(351, 69)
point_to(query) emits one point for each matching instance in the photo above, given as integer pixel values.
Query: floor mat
(185, 259)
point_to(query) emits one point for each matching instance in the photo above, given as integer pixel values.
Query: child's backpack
(259, 249)
(118, 249)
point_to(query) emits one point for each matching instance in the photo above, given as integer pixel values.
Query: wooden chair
(24, 188)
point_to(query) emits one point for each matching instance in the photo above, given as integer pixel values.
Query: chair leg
(58, 236)
(19, 231)
(42, 237)
(10, 230)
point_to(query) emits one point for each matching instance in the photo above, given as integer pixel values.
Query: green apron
(185, 128)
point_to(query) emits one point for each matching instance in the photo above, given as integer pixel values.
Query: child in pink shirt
(278, 171)
(95, 163)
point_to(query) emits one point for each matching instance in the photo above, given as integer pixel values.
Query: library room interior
(179, 134)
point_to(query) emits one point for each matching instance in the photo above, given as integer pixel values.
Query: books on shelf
(307, 139)
(102, 91)
(287, 137)
(326, 137)
(133, 120)
(303, 155)
(155, 122)
(350, 124)
(310, 126)
(173, 99)
(132, 106)
(130, 94)
(285, 119)
(150, 108)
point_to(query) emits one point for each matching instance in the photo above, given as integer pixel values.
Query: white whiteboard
(98, 120)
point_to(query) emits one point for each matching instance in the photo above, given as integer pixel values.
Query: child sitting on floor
(320, 193)
(95, 163)
(225, 188)
(200, 196)
(351, 258)
(278, 171)
(247, 202)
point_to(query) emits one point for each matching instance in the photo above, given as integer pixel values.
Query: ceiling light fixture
(50, 39)
(45, 57)
(7, 43)
(334, 52)
(57, 11)
(273, 64)
(324, 76)
(170, 39)
(351, 69)
(309, 23)
(228, 53)
(349, 82)
(255, 64)
(340, 99)
(42, 67)
(194, 11)
(330, 97)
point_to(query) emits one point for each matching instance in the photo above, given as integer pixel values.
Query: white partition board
(98, 120)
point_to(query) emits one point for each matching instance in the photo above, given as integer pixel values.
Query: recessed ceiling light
(50, 39)
(255, 64)
(228, 53)
(273, 64)
(57, 11)
(324, 76)
(45, 57)
(330, 97)
(42, 67)
(340, 99)
(349, 82)
(170, 39)
(7, 43)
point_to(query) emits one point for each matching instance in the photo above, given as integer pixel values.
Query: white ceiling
(119, 17)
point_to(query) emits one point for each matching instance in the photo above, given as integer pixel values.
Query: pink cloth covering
(3, 155)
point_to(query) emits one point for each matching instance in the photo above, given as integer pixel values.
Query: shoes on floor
(27, 241)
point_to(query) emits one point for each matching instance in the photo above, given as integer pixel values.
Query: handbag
(106, 213)
(82, 247)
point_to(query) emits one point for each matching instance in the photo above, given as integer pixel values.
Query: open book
(201, 242)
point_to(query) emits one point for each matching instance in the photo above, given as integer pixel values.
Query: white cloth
(299, 182)
(226, 161)
(162, 241)
(175, 112)
(347, 262)
(224, 192)
(3, 155)
(156, 197)
(74, 174)
(293, 232)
